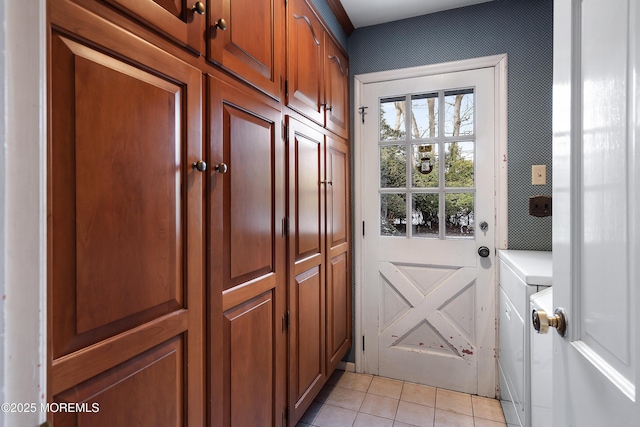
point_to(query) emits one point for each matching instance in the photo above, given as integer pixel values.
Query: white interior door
(428, 192)
(596, 189)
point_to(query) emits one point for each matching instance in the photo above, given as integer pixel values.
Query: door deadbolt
(483, 251)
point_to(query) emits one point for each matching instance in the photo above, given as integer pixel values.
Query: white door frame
(499, 64)
(23, 209)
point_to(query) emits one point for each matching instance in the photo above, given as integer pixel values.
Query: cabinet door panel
(173, 18)
(338, 310)
(306, 263)
(125, 220)
(247, 262)
(252, 46)
(305, 39)
(141, 391)
(338, 264)
(336, 87)
(249, 350)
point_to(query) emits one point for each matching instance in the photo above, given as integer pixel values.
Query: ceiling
(370, 12)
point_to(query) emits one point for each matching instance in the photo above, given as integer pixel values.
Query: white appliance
(541, 361)
(522, 274)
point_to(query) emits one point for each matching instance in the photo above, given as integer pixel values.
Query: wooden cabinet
(338, 264)
(246, 37)
(307, 257)
(181, 21)
(319, 262)
(336, 89)
(126, 254)
(317, 71)
(247, 259)
(199, 265)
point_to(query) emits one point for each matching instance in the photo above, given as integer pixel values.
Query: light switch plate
(538, 174)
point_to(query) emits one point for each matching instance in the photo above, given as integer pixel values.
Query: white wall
(23, 209)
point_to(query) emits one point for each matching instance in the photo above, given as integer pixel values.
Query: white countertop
(533, 267)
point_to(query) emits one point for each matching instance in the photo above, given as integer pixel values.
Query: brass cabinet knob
(542, 322)
(198, 8)
(221, 168)
(221, 23)
(200, 166)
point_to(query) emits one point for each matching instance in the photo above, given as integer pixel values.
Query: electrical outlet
(538, 174)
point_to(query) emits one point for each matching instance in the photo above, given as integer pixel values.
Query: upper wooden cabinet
(305, 41)
(336, 88)
(317, 71)
(180, 20)
(246, 37)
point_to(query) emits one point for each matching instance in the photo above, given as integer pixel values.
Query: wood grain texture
(125, 218)
(247, 260)
(336, 88)
(173, 19)
(252, 46)
(305, 62)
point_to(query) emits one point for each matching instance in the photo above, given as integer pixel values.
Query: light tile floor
(350, 399)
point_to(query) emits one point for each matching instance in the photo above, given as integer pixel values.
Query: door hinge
(286, 87)
(363, 343)
(362, 112)
(362, 228)
(285, 321)
(286, 132)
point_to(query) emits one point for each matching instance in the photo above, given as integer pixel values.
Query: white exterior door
(428, 192)
(596, 189)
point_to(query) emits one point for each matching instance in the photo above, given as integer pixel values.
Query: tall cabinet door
(247, 38)
(338, 285)
(305, 44)
(336, 88)
(247, 260)
(306, 266)
(183, 21)
(126, 253)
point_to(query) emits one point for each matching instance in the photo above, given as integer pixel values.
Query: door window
(427, 174)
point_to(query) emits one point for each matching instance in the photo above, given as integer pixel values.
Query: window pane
(424, 115)
(392, 119)
(393, 166)
(424, 215)
(459, 212)
(459, 115)
(393, 215)
(424, 171)
(458, 159)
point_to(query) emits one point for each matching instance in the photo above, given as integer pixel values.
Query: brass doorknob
(221, 23)
(198, 8)
(542, 322)
(221, 168)
(200, 166)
